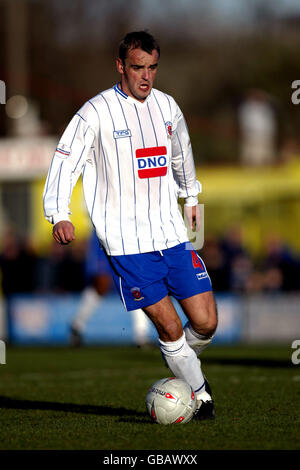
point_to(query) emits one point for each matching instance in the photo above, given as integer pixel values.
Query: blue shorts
(96, 263)
(144, 279)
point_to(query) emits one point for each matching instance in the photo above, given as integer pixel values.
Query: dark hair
(138, 40)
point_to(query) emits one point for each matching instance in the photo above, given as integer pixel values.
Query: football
(170, 401)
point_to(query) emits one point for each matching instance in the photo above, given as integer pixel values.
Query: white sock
(89, 301)
(183, 362)
(202, 394)
(141, 324)
(196, 341)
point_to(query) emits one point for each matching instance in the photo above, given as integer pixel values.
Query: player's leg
(91, 298)
(190, 284)
(141, 324)
(165, 319)
(102, 284)
(141, 280)
(98, 280)
(201, 311)
(178, 355)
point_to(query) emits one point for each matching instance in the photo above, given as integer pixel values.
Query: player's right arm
(66, 166)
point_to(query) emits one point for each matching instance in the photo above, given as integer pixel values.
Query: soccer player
(132, 147)
(99, 284)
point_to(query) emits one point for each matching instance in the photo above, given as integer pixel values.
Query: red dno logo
(152, 162)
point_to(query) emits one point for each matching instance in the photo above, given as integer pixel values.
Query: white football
(170, 401)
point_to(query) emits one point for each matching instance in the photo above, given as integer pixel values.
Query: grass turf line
(94, 398)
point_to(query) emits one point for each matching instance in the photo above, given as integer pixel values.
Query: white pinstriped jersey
(136, 160)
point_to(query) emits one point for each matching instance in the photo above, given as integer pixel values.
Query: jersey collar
(124, 95)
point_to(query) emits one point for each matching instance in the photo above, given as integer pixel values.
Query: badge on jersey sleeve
(62, 151)
(152, 162)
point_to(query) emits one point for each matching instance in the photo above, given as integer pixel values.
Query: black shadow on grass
(247, 361)
(132, 420)
(17, 404)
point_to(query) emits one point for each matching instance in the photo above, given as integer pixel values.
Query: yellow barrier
(261, 201)
(42, 230)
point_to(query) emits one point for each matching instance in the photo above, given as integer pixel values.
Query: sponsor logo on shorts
(152, 162)
(136, 292)
(122, 133)
(198, 264)
(201, 275)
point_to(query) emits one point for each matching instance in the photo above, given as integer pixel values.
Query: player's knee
(102, 284)
(210, 327)
(207, 326)
(211, 322)
(207, 319)
(172, 331)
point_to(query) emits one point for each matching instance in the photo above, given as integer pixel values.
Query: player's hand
(64, 232)
(193, 216)
(194, 221)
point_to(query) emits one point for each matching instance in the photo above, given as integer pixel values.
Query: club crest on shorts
(136, 292)
(169, 129)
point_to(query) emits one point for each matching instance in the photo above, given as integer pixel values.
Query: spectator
(17, 263)
(62, 269)
(216, 265)
(281, 259)
(240, 271)
(231, 244)
(72, 278)
(258, 129)
(48, 278)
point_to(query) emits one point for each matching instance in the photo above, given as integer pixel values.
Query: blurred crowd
(232, 269)
(23, 269)
(230, 266)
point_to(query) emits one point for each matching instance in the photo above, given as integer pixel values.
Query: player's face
(138, 73)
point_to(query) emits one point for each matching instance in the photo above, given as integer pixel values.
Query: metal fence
(32, 319)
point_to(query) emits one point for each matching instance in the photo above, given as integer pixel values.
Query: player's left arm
(183, 168)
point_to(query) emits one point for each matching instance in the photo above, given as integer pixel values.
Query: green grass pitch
(93, 398)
